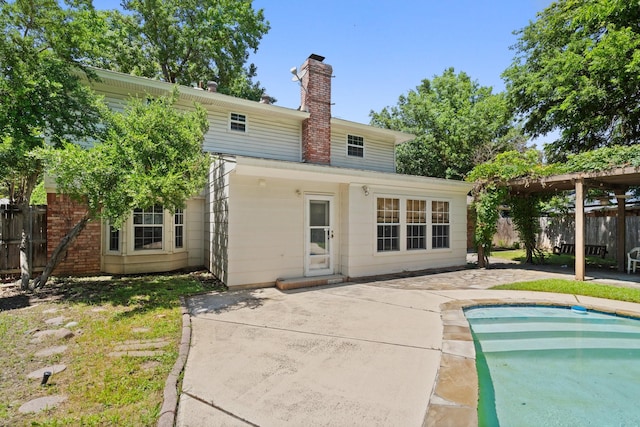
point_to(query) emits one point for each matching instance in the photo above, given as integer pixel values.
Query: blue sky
(381, 49)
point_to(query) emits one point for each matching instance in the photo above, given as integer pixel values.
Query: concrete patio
(393, 351)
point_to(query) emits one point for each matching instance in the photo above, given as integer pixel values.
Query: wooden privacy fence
(11, 234)
(599, 230)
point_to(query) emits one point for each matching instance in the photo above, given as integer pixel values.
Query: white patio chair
(633, 258)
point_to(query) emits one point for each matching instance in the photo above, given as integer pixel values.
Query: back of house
(293, 196)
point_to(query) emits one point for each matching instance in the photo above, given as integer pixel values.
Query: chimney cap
(316, 57)
(265, 99)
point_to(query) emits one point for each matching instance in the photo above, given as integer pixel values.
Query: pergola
(617, 180)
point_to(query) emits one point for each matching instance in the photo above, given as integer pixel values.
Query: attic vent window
(238, 122)
(355, 146)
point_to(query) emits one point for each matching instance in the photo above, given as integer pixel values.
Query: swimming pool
(553, 366)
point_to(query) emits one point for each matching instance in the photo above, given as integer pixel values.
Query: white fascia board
(264, 168)
(156, 87)
(366, 130)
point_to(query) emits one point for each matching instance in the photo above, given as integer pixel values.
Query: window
(147, 228)
(355, 146)
(439, 224)
(178, 221)
(238, 122)
(416, 224)
(114, 239)
(388, 222)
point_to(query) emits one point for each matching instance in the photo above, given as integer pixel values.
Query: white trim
(330, 230)
(362, 147)
(183, 248)
(250, 166)
(107, 240)
(403, 224)
(244, 122)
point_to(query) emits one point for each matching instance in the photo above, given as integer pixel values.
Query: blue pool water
(548, 366)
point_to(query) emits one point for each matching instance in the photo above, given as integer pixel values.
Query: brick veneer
(316, 97)
(83, 257)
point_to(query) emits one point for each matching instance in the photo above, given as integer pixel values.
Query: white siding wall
(362, 258)
(194, 228)
(264, 137)
(216, 218)
(378, 154)
(266, 228)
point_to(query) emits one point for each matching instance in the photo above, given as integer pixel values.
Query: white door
(318, 235)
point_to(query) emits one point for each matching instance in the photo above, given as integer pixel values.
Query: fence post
(30, 241)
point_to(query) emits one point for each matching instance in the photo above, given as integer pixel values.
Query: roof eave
(203, 97)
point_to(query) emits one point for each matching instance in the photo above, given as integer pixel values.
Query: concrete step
(306, 282)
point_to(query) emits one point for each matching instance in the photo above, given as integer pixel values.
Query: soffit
(396, 136)
(251, 166)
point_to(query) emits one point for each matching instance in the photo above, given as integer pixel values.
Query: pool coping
(454, 397)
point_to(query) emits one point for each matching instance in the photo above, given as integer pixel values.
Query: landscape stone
(41, 403)
(54, 369)
(141, 345)
(50, 311)
(149, 365)
(140, 348)
(136, 353)
(50, 351)
(56, 321)
(59, 334)
(71, 325)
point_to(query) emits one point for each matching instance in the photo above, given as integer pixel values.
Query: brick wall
(83, 257)
(316, 98)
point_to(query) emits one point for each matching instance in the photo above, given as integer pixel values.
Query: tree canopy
(43, 97)
(457, 123)
(149, 154)
(185, 42)
(577, 70)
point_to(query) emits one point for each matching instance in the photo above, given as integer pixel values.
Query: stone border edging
(454, 397)
(169, 408)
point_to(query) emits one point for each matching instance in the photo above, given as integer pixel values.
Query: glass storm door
(319, 235)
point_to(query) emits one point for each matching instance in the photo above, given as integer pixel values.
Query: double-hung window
(388, 213)
(439, 224)
(355, 146)
(114, 239)
(178, 224)
(416, 224)
(148, 228)
(238, 122)
(407, 224)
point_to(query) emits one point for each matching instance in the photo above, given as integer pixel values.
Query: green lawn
(573, 287)
(101, 390)
(553, 259)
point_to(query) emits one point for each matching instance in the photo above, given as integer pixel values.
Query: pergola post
(580, 258)
(621, 230)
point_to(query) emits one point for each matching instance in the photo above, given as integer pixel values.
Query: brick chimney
(316, 99)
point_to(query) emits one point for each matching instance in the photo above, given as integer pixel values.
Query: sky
(381, 49)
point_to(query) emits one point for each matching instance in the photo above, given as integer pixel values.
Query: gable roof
(134, 84)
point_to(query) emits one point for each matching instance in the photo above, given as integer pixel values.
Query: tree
(43, 98)
(185, 42)
(457, 124)
(577, 70)
(490, 192)
(150, 154)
